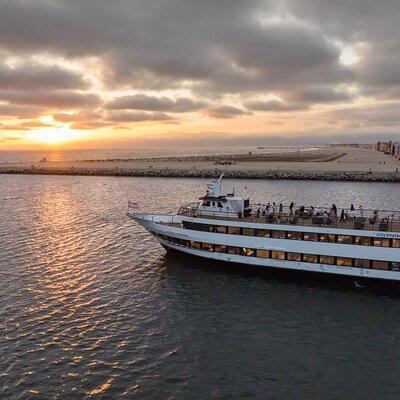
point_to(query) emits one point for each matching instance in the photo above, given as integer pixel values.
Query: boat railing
(362, 219)
(189, 209)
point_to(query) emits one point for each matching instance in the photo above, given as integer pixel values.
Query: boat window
(213, 203)
(216, 229)
(379, 242)
(248, 252)
(207, 204)
(327, 237)
(262, 253)
(208, 246)
(246, 203)
(263, 233)
(360, 263)
(233, 250)
(219, 248)
(344, 262)
(380, 264)
(311, 236)
(248, 231)
(327, 260)
(396, 243)
(234, 230)
(394, 266)
(278, 255)
(363, 240)
(293, 256)
(186, 243)
(219, 205)
(278, 234)
(310, 258)
(210, 228)
(195, 245)
(294, 235)
(345, 239)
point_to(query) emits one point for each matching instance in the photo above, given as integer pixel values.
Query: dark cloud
(85, 120)
(226, 111)
(319, 94)
(372, 116)
(28, 76)
(221, 46)
(210, 49)
(52, 99)
(152, 103)
(138, 116)
(15, 110)
(274, 105)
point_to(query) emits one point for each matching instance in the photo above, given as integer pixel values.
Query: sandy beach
(329, 161)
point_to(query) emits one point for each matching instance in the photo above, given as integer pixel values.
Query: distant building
(391, 148)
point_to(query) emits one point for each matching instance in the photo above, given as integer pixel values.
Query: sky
(141, 73)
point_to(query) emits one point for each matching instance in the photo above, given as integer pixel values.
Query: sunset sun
(53, 136)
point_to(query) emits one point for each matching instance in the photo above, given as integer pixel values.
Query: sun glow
(53, 136)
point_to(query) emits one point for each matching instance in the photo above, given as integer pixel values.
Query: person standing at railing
(280, 209)
(291, 207)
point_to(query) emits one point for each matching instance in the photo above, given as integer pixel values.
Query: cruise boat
(227, 227)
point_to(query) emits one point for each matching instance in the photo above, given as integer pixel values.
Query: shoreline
(342, 164)
(355, 176)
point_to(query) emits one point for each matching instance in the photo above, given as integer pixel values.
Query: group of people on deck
(271, 211)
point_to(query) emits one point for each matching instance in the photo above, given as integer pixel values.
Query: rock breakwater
(212, 173)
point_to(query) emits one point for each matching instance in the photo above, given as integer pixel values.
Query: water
(91, 307)
(104, 154)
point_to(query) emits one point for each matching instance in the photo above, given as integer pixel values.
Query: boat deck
(389, 223)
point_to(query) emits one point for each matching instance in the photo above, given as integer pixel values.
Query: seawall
(356, 176)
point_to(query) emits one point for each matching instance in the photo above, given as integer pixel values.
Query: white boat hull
(158, 225)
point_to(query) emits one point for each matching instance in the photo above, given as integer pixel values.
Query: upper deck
(372, 220)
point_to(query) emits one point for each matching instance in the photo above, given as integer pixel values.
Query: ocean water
(102, 154)
(92, 307)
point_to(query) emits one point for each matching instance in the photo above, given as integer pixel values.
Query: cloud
(192, 54)
(137, 116)
(28, 76)
(51, 99)
(15, 110)
(274, 106)
(225, 111)
(152, 103)
(371, 116)
(220, 46)
(25, 126)
(319, 94)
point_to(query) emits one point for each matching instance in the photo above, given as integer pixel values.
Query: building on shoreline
(391, 148)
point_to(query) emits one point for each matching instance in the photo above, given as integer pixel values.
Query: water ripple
(90, 306)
